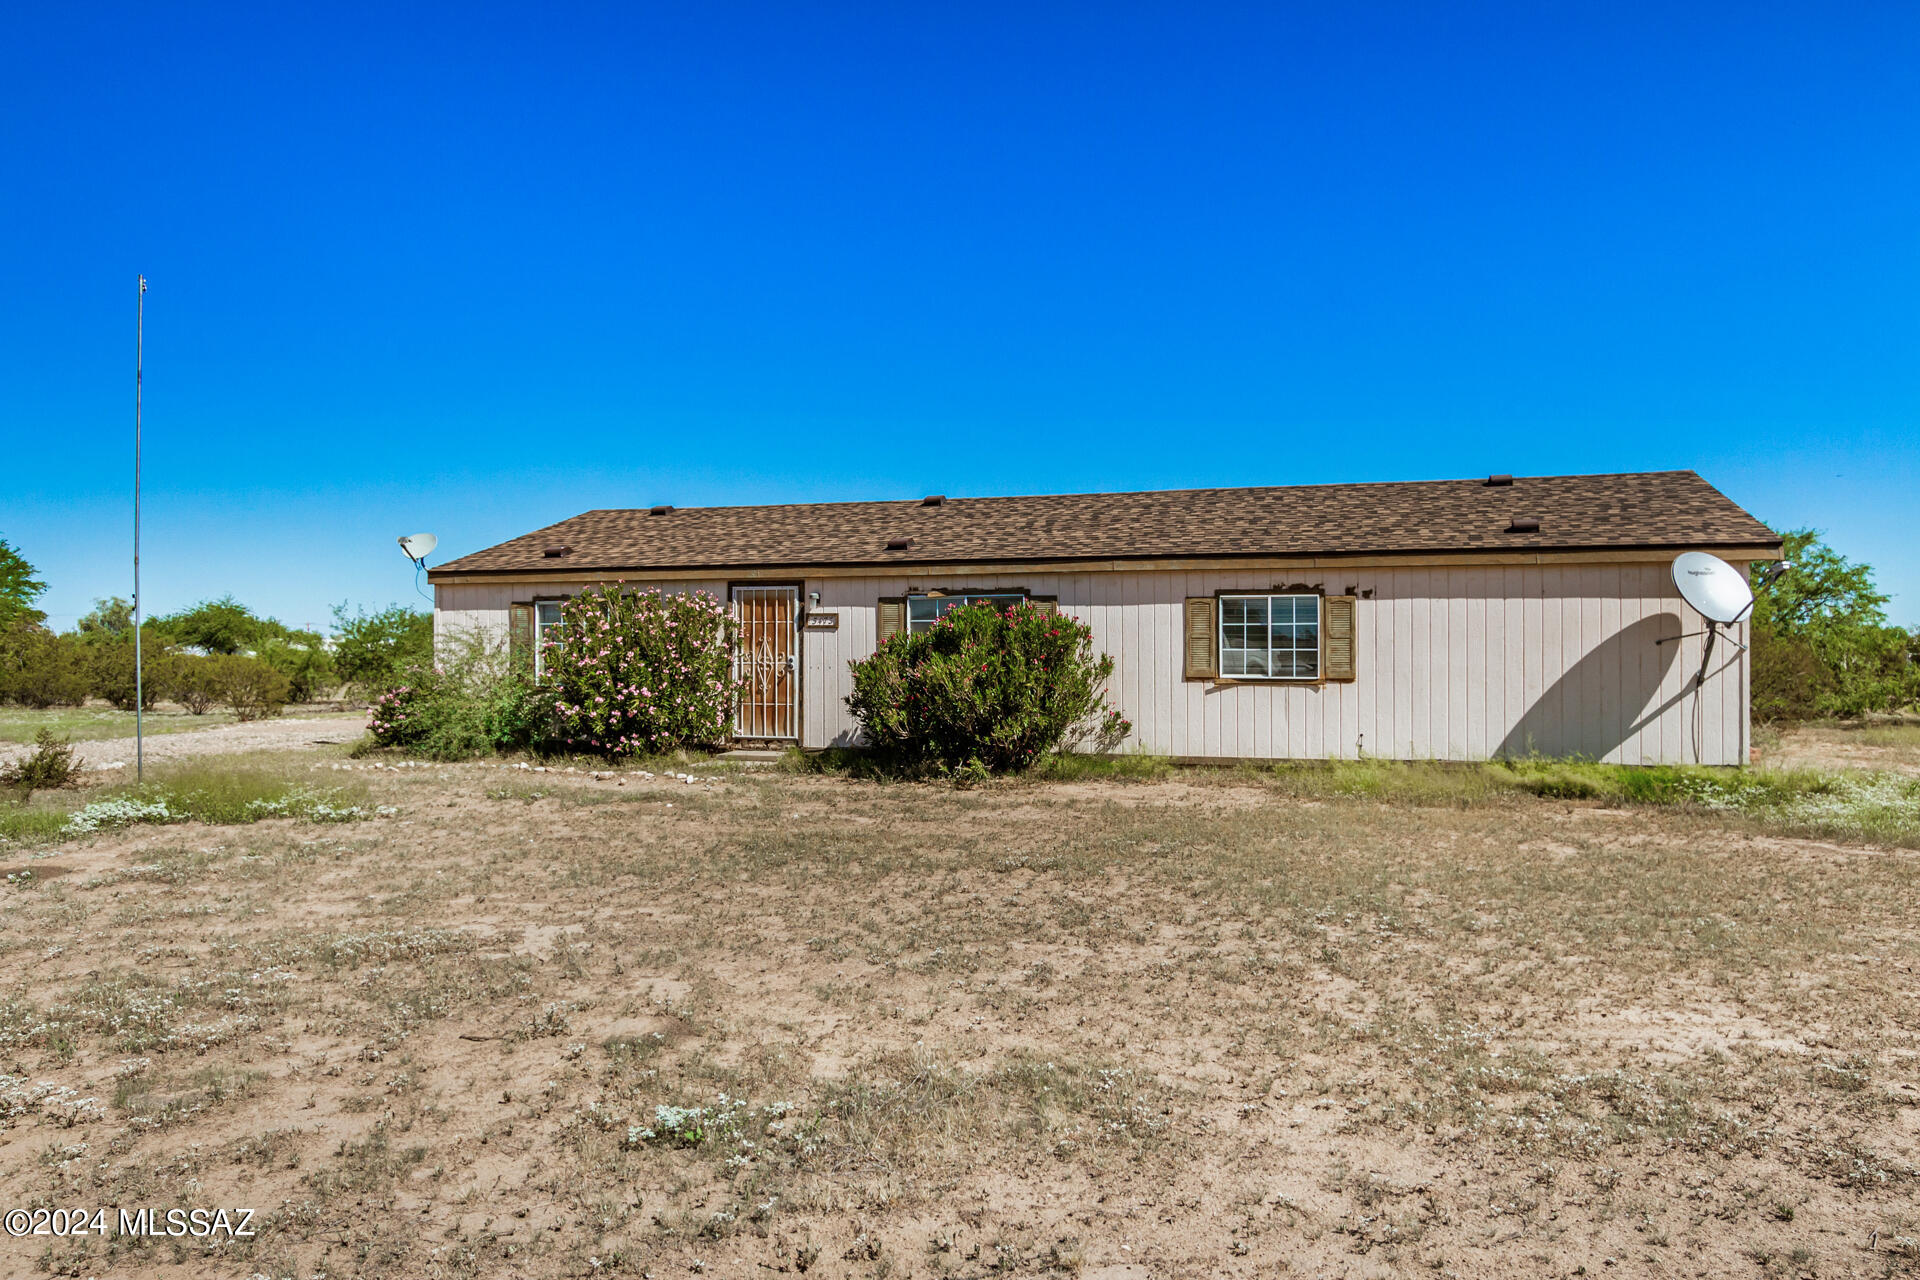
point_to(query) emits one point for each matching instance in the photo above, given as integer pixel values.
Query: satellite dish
(418, 546)
(1717, 591)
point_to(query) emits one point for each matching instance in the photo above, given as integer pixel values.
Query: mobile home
(1452, 619)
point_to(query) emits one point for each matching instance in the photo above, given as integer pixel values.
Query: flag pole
(139, 699)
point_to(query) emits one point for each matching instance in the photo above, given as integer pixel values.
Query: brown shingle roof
(1641, 510)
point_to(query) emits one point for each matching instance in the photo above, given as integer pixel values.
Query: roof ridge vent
(934, 500)
(660, 510)
(1499, 482)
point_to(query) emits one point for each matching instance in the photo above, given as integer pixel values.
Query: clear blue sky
(474, 269)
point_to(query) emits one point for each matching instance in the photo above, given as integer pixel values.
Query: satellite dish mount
(1719, 593)
(418, 547)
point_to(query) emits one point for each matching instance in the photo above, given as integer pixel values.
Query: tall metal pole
(139, 699)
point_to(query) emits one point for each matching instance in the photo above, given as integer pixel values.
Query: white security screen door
(767, 662)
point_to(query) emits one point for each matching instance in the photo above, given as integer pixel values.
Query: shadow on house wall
(1605, 698)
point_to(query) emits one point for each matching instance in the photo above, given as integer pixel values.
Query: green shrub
(985, 690)
(375, 651)
(193, 682)
(217, 626)
(471, 703)
(110, 672)
(1821, 642)
(1789, 679)
(431, 715)
(50, 764)
(249, 686)
(307, 666)
(399, 717)
(639, 672)
(18, 589)
(518, 714)
(40, 669)
(111, 619)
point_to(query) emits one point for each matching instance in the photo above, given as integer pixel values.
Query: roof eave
(1759, 548)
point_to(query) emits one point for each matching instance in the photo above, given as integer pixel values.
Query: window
(924, 611)
(1270, 637)
(546, 626)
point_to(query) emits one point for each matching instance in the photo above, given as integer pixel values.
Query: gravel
(229, 739)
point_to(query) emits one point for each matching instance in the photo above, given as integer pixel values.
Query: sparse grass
(99, 722)
(215, 791)
(846, 763)
(1418, 783)
(34, 822)
(1883, 808)
(224, 791)
(1901, 736)
(837, 762)
(1132, 767)
(149, 1103)
(1882, 743)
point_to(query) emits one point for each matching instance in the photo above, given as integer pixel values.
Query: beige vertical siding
(480, 609)
(1453, 663)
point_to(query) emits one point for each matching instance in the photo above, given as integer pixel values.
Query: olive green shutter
(1336, 639)
(520, 634)
(893, 617)
(1203, 656)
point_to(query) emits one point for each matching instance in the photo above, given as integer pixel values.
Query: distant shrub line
(216, 654)
(45, 670)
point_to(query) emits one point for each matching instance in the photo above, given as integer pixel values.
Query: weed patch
(195, 793)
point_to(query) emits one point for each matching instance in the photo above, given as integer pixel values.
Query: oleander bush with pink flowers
(986, 691)
(640, 672)
(628, 672)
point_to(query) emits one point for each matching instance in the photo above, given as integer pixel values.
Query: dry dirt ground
(543, 1025)
(1892, 745)
(289, 732)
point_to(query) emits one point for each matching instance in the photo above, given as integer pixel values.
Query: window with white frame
(546, 626)
(924, 611)
(1270, 637)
